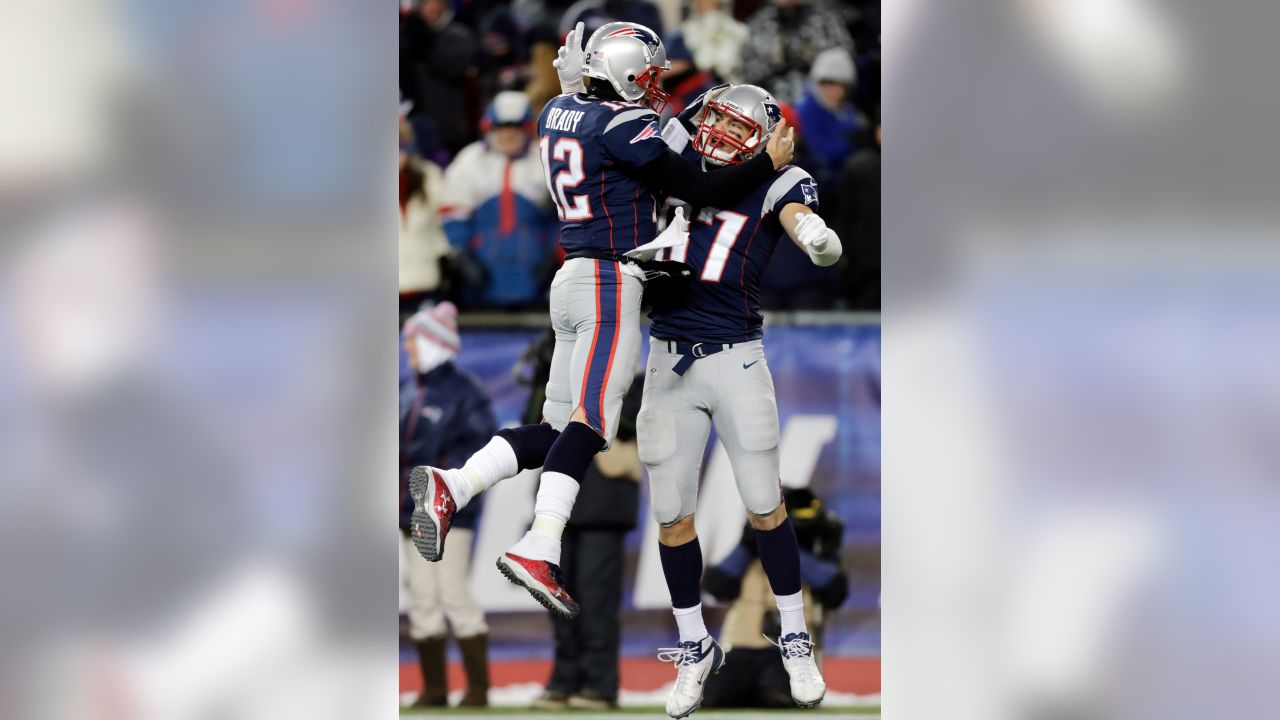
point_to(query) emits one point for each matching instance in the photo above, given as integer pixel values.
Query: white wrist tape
(827, 254)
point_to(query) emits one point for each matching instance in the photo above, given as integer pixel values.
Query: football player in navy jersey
(707, 365)
(604, 159)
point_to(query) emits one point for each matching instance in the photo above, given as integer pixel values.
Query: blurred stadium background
(822, 325)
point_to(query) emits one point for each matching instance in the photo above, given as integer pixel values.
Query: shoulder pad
(788, 178)
(627, 116)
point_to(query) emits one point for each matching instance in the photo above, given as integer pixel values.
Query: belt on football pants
(601, 255)
(689, 352)
(652, 269)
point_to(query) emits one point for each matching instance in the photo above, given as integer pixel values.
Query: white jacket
(422, 239)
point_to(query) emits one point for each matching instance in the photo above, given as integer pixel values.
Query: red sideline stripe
(586, 373)
(617, 330)
(847, 675)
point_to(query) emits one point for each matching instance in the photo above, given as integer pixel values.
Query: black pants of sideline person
(586, 656)
(751, 678)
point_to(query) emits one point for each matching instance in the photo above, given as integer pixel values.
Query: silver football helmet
(751, 106)
(631, 58)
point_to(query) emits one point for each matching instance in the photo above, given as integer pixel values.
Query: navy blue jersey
(728, 250)
(590, 150)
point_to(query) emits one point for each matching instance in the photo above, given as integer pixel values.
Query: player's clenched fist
(812, 230)
(782, 145)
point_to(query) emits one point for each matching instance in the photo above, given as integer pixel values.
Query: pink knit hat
(437, 325)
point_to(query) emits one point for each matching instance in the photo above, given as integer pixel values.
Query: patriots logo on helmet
(810, 191)
(645, 37)
(774, 112)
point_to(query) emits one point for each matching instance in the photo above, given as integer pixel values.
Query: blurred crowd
(477, 226)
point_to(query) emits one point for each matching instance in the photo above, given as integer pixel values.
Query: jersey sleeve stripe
(787, 180)
(595, 380)
(626, 116)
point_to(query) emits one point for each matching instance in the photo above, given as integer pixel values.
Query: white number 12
(569, 150)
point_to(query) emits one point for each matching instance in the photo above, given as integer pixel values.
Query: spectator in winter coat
(858, 223)
(784, 39)
(504, 53)
(497, 209)
(444, 418)
(715, 38)
(422, 239)
(438, 69)
(829, 119)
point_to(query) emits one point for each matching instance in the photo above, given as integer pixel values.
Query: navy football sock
(780, 557)
(531, 443)
(571, 453)
(682, 565)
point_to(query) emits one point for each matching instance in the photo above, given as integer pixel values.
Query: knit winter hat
(834, 65)
(434, 331)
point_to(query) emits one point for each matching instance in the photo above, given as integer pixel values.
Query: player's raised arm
(570, 61)
(809, 231)
(632, 139)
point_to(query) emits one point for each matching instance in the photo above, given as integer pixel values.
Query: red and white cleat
(433, 509)
(542, 580)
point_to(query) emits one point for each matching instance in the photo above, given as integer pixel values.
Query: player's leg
(746, 420)
(439, 493)
(672, 430)
(602, 304)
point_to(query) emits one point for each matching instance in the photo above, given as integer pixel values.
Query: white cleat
(807, 686)
(695, 662)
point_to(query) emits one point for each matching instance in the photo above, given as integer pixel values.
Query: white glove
(820, 243)
(677, 233)
(811, 231)
(570, 61)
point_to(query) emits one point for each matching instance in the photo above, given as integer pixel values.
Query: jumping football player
(604, 159)
(707, 366)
